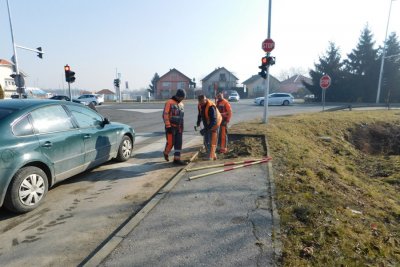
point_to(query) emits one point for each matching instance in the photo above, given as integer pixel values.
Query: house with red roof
(171, 81)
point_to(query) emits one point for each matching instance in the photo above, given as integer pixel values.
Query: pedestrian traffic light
(270, 61)
(116, 82)
(69, 74)
(40, 54)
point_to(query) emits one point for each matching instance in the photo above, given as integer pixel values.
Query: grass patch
(338, 181)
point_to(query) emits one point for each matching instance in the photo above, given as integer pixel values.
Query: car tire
(18, 198)
(125, 149)
(94, 103)
(262, 103)
(286, 102)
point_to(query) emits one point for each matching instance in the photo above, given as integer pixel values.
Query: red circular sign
(268, 45)
(325, 81)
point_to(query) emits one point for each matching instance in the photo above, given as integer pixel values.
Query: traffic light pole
(266, 90)
(14, 49)
(69, 91)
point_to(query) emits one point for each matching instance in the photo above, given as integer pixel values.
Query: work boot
(166, 157)
(179, 162)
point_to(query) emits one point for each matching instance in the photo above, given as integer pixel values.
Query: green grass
(338, 192)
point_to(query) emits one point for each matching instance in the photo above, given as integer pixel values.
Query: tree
(153, 86)
(362, 69)
(330, 64)
(390, 87)
(1, 92)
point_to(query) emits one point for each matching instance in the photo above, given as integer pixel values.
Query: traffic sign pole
(324, 83)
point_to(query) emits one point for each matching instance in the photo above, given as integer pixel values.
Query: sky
(138, 38)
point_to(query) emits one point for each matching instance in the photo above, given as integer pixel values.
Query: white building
(6, 82)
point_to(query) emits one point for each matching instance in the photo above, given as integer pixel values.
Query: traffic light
(69, 74)
(116, 82)
(270, 61)
(40, 54)
(265, 63)
(263, 67)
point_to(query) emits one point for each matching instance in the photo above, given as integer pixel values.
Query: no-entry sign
(268, 45)
(325, 81)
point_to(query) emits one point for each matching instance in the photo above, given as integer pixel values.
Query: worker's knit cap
(180, 93)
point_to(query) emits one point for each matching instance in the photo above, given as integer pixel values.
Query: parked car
(276, 99)
(16, 96)
(234, 96)
(66, 98)
(95, 99)
(44, 142)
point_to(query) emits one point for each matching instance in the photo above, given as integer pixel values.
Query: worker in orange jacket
(225, 109)
(211, 118)
(173, 119)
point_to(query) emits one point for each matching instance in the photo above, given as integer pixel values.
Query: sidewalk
(225, 219)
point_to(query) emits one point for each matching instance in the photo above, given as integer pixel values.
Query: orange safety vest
(173, 113)
(225, 109)
(207, 108)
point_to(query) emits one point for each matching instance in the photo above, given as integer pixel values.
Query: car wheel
(286, 102)
(27, 190)
(125, 149)
(94, 103)
(262, 103)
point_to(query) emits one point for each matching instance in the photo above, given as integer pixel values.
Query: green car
(46, 141)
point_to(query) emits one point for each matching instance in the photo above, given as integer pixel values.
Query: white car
(234, 96)
(96, 99)
(276, 99)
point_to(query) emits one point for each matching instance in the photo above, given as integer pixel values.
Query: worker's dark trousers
(174, 140)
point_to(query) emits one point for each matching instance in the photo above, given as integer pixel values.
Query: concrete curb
(276, 230)
(106, 248)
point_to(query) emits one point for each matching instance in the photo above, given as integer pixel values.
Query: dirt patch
(243, 146)
(376, 139)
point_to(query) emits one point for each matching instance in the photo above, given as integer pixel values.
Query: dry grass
(338, 182)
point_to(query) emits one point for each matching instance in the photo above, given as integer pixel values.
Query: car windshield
(4, 112)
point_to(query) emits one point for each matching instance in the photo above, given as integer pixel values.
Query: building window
(181, 85)
(166, 84)
(222, 77)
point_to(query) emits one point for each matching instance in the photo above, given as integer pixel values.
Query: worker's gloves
(203, 131)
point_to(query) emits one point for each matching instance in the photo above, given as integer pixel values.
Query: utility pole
(378, 93)
(266, 91)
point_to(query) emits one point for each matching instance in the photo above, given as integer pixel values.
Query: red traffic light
(264, 61)
(67, 68)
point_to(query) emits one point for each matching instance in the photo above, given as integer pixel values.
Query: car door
(100, 141)
(60, 141)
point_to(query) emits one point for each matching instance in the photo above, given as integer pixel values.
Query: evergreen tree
(153, 86)
(390, 87)
(362, 69)
(330, 64)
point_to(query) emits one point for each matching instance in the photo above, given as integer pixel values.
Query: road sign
(325, 81)
(268, 45)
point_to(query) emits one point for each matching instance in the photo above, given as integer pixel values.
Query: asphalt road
(82, 212)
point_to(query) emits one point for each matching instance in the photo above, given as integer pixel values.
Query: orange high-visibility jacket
(225, 109)
(173, 113)
(210, 122)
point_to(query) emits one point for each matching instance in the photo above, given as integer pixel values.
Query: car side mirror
(106, 121)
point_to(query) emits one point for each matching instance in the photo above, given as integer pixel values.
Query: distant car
(95, 99)
(234, 96)
(16, 96)
(276, 99)
(43, 142)
(66, 98)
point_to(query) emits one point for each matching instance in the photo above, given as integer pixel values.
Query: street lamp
(383, 56)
